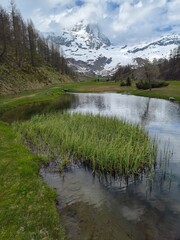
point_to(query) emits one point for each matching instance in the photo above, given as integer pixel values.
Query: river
(107, 208)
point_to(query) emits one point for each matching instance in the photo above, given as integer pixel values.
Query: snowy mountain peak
(83, 36)
(95, 33)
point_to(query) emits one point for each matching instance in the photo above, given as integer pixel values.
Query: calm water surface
(106, 208)
(94, 207)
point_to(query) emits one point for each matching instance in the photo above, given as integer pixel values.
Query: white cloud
(121, 20)
(174, 11)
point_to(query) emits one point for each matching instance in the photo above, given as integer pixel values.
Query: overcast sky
(122, 21)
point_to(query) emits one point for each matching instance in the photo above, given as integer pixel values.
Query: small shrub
(155, 84)
(159, 84)
(142, 85)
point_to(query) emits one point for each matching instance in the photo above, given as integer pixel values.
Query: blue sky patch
(79, 3)
(112, 6)
(164, 29)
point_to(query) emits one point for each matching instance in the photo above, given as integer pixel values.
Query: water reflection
(90, 102)
(101, 208)
(132, 108)
(25, 112)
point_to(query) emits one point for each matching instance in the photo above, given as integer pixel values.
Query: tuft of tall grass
(107, 144)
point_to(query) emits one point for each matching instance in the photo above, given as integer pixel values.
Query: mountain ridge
(89, 51)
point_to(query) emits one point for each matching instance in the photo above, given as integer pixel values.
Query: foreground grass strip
(108, 144)
(27, 205)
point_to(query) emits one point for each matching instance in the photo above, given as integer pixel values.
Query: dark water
(95, 207)
(25, 112)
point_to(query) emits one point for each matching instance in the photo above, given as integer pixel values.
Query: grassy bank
(108, 144)
(50, 93)
(173, 90)
(29, 97)
(95, 87)
(27, 205)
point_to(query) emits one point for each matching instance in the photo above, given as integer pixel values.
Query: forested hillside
(27, 59)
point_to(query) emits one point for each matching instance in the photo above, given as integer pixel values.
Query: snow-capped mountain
(89, 51)
(84, 36)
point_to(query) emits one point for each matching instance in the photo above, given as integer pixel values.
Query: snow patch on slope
(88, 50)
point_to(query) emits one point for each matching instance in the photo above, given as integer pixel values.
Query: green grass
(36, 96)
(173, 90)
(92, 86)
(27, 205)
(108, 144)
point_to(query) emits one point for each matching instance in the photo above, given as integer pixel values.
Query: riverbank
(172, 90)
(27, 205)
(29, 97)
(54, 91)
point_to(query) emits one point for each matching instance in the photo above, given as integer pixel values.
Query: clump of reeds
(107, 144)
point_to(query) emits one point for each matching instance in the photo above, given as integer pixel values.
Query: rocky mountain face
(89, 51)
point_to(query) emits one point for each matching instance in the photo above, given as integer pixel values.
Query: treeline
(162, 69)
(170, 68)
(21, 44)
